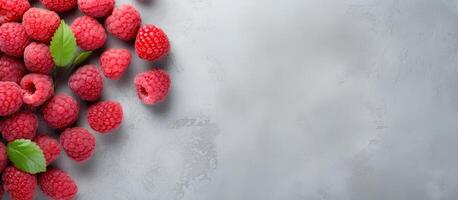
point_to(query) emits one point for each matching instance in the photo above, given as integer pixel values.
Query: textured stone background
(292, 99)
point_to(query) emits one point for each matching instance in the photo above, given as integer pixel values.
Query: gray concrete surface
(293, 99)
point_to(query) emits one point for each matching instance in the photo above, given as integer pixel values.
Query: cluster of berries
(27, 90)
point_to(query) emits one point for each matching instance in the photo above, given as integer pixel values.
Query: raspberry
(115, 62)
(37, 89)
(152, 86)
(40, 24)
(61, 111)
(124, 22)
(59, 5)
(151, 43)
(13, 39)
(20, 185)
(87, 83)
(38, 59)
(49, 146)
(3, 162)
(78, 143)
(89, 33)
(11, 69)
(12, 10)
(105, 116)
(22, 125)
(57, 184)
(10, 98)
(96, 8)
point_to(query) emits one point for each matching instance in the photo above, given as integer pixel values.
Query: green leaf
(83, 56)
(63, 45)
(27, 156)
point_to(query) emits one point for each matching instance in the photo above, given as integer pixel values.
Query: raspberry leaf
(63, 45)
(27, 156)
(83, 56)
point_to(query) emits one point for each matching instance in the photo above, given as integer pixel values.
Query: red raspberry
(152, 86)
(61, 111)
(105, 116)
(40, 24)
(59, 5)
(115, 62)
(57, 184)
(38, 59)
(89, 33)
(37, 89)
(78, 143)
(87, 83)
(3, 162)
(20, 185)
(13, 39)
(96, 8)
(151, 43)
(12, 10)
(124, 22)
(22, 125)
(11, 69)
(10, 98)
(49, 146)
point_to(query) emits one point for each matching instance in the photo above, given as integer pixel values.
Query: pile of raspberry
(27, 89)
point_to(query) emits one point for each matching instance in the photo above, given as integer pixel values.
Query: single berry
(38, 59)
(57, 184)
(59, 5)
(115, 62)
(49, 146)
(18, 184)
(152, 86)
(89, 33)
(61, 111)
(10, 98)
(37, 89)
(96, 8)
(124, 22)
(40, 24)
(151, 43)
(78, 143)
(3, 160)
(13, 39)
(87, 83)
(22, 125)
(105, 117)
(12, 10)
(11, 69)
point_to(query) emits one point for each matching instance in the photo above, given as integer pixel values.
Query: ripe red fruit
(13, 39)
(3, 161)
(59, 5)
(38, 59)
(57, 184)
(20, 185)
(10, 98)
(22, 125)
(105, 117)
(40, 24)
(87, 83)
(49, 146)
(151, 43)
(78, 143)
(96, 8)
(12, 10)
(11, 69)
(61, 111)
(115, 62)
(37, 89)
(124, 22)
(152, 86)
(89, 33)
